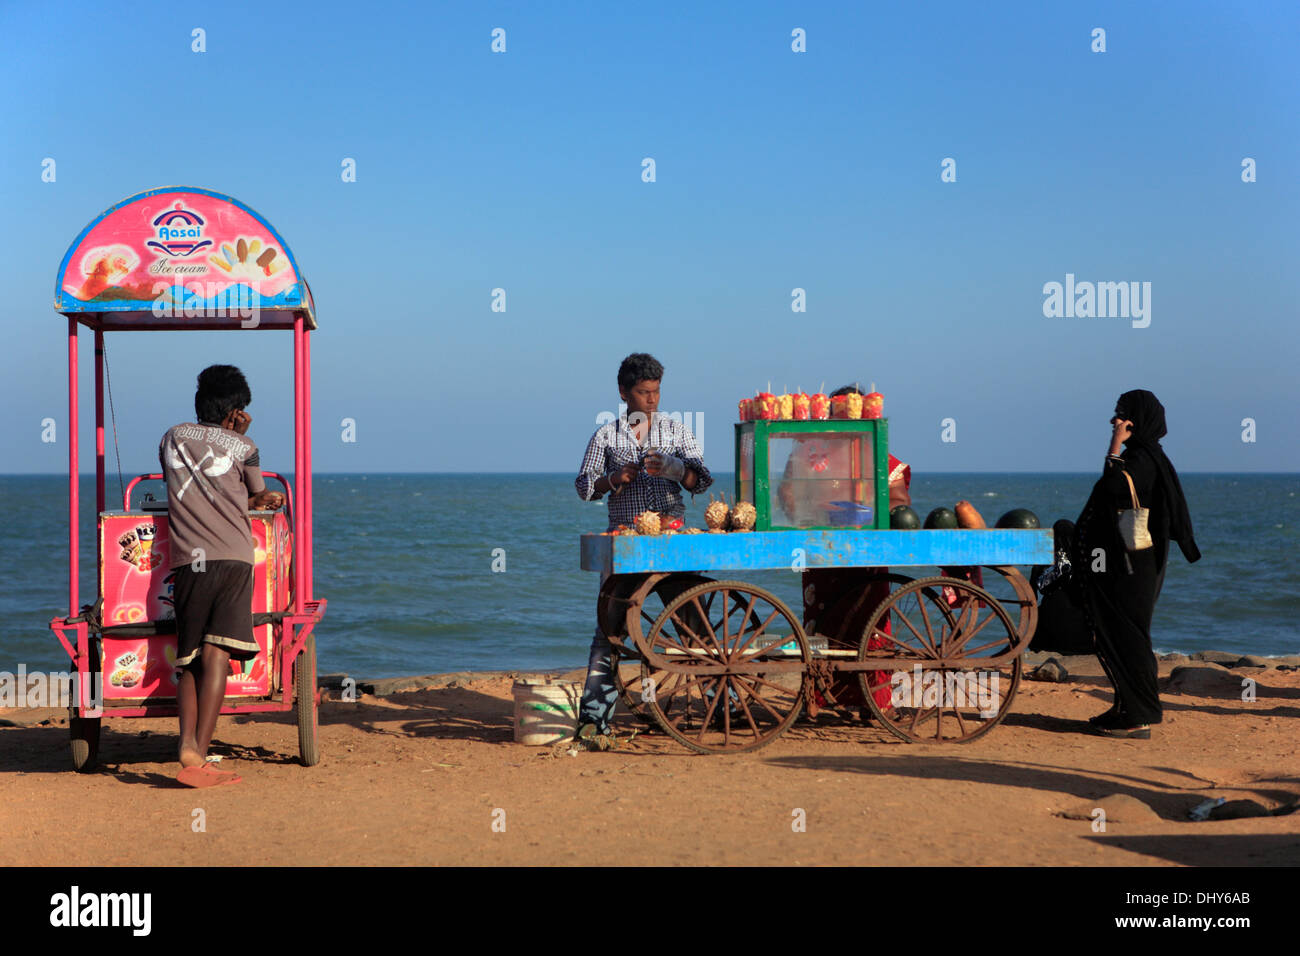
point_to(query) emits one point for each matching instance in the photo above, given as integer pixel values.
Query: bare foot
(190, 756)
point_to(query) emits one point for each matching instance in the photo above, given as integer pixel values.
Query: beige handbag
(1133, 522)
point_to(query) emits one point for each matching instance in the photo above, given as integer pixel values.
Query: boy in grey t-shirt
(213, 479)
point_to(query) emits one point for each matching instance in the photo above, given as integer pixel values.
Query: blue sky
(775, 170)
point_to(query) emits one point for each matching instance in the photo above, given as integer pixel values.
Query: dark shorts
(215, 606)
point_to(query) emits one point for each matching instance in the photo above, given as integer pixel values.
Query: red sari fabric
(827, 591)
(828, 594)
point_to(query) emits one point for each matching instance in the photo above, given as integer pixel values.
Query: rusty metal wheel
(842, 626)
(732, 661)
(632, 695)
(951, 660)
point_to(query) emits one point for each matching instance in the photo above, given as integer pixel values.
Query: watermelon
(904, 518)
(941, 519)
(1021, 518)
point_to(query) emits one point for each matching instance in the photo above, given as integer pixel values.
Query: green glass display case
(814, 474)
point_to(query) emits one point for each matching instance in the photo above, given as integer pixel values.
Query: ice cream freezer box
(136, 581)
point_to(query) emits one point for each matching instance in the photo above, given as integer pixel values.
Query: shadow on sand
(1168, 802)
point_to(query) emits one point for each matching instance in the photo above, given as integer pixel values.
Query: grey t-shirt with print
(211, 472)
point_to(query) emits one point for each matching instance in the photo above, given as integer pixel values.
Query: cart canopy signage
(182, 257)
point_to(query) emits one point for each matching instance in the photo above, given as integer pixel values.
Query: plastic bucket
(545, 712)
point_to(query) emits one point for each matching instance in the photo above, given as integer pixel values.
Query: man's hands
(237, 421)
(265, 501)
(664, 465)
(657, 463)
(624, 476)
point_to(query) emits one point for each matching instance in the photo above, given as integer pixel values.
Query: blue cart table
(777, 550)
(726, 666)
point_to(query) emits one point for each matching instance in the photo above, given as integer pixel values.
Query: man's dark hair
(853, 389)
(639, 367)
(222, 390)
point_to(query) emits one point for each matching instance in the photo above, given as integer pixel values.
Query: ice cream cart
(173, 259)
(726, 666)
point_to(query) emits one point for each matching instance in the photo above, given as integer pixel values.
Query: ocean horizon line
(926, 472)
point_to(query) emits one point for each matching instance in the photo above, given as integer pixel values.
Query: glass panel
(747, 492)
(820, 480)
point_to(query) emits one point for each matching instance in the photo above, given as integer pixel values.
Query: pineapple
(647, 522)
(715, 515)
(743, 516)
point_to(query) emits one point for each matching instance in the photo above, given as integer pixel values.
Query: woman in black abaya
(1120, 587)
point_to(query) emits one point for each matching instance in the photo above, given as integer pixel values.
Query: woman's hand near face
(1121, 431)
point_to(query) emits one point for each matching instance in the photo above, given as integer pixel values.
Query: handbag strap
(1132, 491)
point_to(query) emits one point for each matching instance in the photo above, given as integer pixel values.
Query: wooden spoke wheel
(632, 687)
(842, 625)
(959, 652)
(727, 665)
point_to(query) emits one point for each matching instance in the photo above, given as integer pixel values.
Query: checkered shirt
(614, 446)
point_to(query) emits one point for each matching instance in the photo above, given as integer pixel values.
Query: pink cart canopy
(181, 257)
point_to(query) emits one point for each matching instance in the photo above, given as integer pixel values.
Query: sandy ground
(421, 777)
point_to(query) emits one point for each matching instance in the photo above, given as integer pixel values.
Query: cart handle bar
(288, 492)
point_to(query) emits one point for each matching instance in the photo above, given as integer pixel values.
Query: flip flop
(1123, 733)
(206, 775)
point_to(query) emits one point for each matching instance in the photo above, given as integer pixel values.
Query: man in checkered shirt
(642, 462)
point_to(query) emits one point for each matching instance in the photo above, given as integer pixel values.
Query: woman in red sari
(837, 602)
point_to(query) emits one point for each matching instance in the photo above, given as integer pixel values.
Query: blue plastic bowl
(847, 514)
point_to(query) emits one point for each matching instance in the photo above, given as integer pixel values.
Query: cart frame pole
(309, 548)
(299, 535)
(99, 438)
(73, 496)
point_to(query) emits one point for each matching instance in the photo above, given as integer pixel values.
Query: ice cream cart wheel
(933, 620)
(733, 625)
(84, 733)
(304, 693)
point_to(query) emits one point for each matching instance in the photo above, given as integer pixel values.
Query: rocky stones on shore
(1226, 658)
(1203, 680)
(1254, 660)
(1051, 670)
(383, 686)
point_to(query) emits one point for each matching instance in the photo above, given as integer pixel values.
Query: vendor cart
(726, 666)
(172, 259)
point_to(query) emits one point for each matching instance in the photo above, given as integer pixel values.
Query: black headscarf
(1146, 413)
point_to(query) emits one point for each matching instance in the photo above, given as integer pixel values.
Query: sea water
(407, 563)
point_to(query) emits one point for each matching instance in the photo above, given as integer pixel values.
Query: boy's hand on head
(238, 421)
